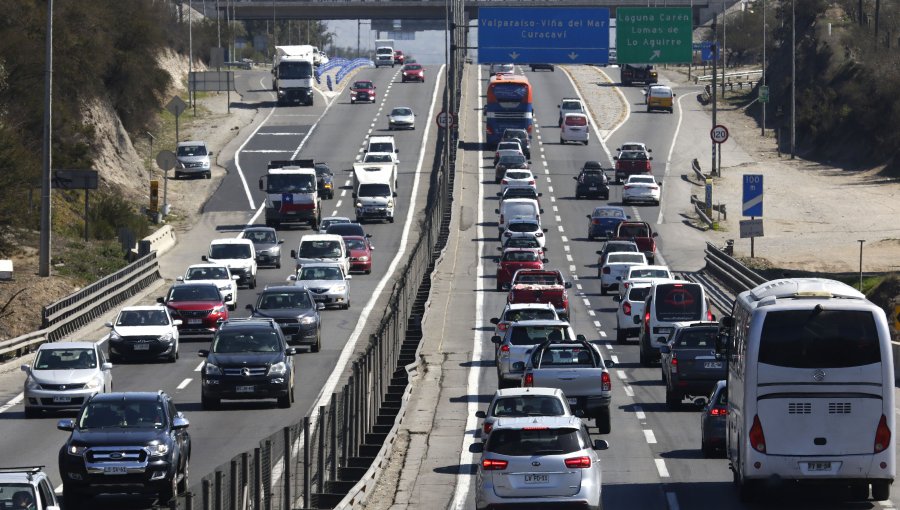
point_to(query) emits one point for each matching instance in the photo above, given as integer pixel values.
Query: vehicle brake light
(504, 181)
(758, 439)
(647, 322)
(504, 348)
(501, 219)
(605, 381)
(531, 181)
(674, 365)
(595, 221)
(502, 326)
(493, 464)
(654, 188)
(606, 270)
(718, 411)
(486, 428)
(627, 187)
(882, 435)
(627, 284)
(578, 462)
(709, 315)
(626, 308)
(529, 380)
(489, 130)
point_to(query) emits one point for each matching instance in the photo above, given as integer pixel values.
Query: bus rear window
(676, 302)
(819, 339)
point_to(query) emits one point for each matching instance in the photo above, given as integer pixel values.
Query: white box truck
(292, 74)
(384, 52)
(374, 193)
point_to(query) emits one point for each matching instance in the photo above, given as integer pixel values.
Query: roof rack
(239, 320)
(17, 469)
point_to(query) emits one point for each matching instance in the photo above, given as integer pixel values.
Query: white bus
(810, 388)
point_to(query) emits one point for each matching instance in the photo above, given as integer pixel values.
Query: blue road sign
(753, 195)
(543, 35)
(706, 52)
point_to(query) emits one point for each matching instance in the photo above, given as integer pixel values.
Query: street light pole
(793, 76)
(763, 83)
(860, 241)
(46, 224)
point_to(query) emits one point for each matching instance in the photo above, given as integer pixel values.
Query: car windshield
(363, 85)
(260, 236)
(592, 177)
(527, 405)
(627, 258)
(520, 256)
(290, 183)
(262, 340)
(194, 293)
(191, 150)
(374, 190)
(323, 169)
(12, 493)
(345, 229)
(320, 250)
(530, 314)
(632, 147)
(522, 226)
(320, 273)
(533, 441)
(512, 159)
(632, 155)
(648, 273)
(679, 302)
(122, 414)
(355, 244)
(522, 242)
(378, 158)
(283, 300)
(206, 273)
(608, 213)
(633, 231)
(565, 356)
(327, 222)
(143, 318)
(414, 67)
(819, 338)
(230, 251)
(537, 279)
(697, 338)
(295, 70)
(641, 179)
(530, 335)
(381, 147)
(620, 247)
(65, 359)
(401, 111)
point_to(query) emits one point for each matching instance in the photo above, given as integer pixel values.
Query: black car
(519, 192)
(712, 421)
(125, 442)
(294, 309)
(347, 229)
(325, 178)
(615, 247)
(522, 136)
(248, 359)
(507, 162)
(592, 182)
(689, 363)
(546, 67)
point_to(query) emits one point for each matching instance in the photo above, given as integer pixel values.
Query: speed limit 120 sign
(445, 120)
(719, 134)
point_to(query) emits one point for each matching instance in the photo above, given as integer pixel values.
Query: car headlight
(339, 288)
(114, 337)
(94, 383)
(306, 321)
(31, 384)
(167, 338)
(279, 368)
(76, 450)
(364, 258)
(158, 450)
(219, 309)
(211, 369)
(390, 203)
(359, 204)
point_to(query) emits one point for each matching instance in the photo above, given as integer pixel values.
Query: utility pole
(763, 83)
(715, 49)
(793, 76)
(218, 28)
(861, 242)
(724, 42)
(190, 46)
(46, 203)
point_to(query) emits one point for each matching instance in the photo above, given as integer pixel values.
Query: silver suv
(539, 460)
(520, 338)
(26, 487)
(193, 158)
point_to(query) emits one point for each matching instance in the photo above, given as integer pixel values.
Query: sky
(427, 47)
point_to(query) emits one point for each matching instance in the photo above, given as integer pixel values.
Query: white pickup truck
(579, 370)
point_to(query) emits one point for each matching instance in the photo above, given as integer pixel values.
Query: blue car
(604, 220)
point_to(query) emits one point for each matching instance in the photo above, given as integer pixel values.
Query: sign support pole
(87, 193)
(715, 52)
(752, 238)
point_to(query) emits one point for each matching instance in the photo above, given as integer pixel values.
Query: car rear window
(564, 356)
(633, 231)
(632, 155)
(633, 258)
(576, 120)
(522, 242)
(518, 175)
(679, 302)
(529, 315)
(528, 405)
(533, 441)
(608, 213)
(520, 256)
(697, 338)
(514, 159)
(648, 273)
(522, 226)
(530, 335)
(819, 338)
(638, 293)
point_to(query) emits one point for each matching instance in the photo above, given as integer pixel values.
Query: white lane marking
(659, 219)
(14, 401)
(603, 334)
(586, 302)
(343, 192)
(464, 477)
(572, 269)
(564, 238)
(578, 286)
(314, 126)
(199, 367)
(557, 218)
(621, 374)
(550, 188)
(552, 199)
(609, 347)
(265, 151)
(639, 413)
(596, 324)
(649, 436)
(281, 134)
(575, 277)
(628, 390)
(614, 359)
(334, 212)
(661, 468)
(184, 384)
(547, 170)
(591, 313)
(569, 257)
(672, 500)
(560, 228)
(339, 202)
(556, 209)
(567, 248)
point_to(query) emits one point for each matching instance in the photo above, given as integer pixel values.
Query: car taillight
(626, 308)
(627, 284)
(673, 365)
(606, 270)
(757, 438)
(882, 435)
(529, 380)
(504, 348)
(595, 221)
(493, 464)
(709, 315)
(605, 381)
(627, 187)
(647, 323)
(653, 188)
(486, 428)
(531, 181)
(501, 219)
(578, 462)
(502, 326)
(647, 165)
(504, 181)
(489, 130)
(718, 411)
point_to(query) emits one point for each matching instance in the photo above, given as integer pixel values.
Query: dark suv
(125, 442)
(295, 310)
(248, 359)
(689, 363)
(522, 136)
(592, 182)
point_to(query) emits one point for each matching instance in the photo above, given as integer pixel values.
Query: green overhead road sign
(653, 35)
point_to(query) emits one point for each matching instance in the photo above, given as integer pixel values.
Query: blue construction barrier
(352, 65)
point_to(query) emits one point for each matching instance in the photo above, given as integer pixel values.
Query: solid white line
(649, 436)
(639, 413)
(659, 219)
(314, 126)
(280, 134)
(624, 100)
(661, 468)
(265, 151)
(628, 390)
(672, 500)
(199, 367)
(464, 477)
(621, 374)
(15, 400)
(184, 384)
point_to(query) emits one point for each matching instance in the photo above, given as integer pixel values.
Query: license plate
(142, 347)
(244, 389)
(818, 466)
(593, 188)
(537, 478)
(62, 400)
(115, 470)
(712, 364)
(573, 401)
(664, 330)
(195, 321)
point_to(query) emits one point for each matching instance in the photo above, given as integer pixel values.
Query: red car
(630, 163)
(199, 306)
(362, 91)
(399, 57)
(514, 259)
(360, 253)
(412, 72)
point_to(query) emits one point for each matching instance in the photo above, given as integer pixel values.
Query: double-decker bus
(509, 106)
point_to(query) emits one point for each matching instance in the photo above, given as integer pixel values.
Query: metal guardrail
(736, 276)
(709, 77)
(64, 317)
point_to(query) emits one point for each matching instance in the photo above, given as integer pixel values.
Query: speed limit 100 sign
(719, 134)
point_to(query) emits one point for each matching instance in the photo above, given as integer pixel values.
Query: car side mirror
(227, 297)
(581, 338)
(496, 339)
(348, 277)
(290, 351)
(649, 150)
(108, 324)
(545, 261)
(497, 211)
(494, 321)
(618, 278)
(249, 307)
(599, 252)
(480, 414)
(292, 278)
(574, 178)
(655, 234)
(616, 158)
(664, 349)
(211, 153)
(601, 444)
(204, 258)
(235, 277)
(203, 353)
(26, 369)
(588, 216)
(499, 248)
(540, 195)
(106, 366)
(179, 278)
(659, 183)
(496, 260)
(369, 236)
(160, 300)
(177, 322)
(545, 230)
(499, 194)
(353, 195)
(541, 211)
(637, 319)
(395, 193)
(180, 423)
(293, 254)
(67, 424)
(568, 285)
(320, 306)
(281, 241)
(650, 158)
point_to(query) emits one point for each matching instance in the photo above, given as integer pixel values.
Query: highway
(333, 133)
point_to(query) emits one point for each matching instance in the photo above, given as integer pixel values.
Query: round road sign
(719, 134)
(166, 160)
(445, 120)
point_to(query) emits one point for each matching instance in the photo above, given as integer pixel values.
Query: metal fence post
(245, 471)
(219, 495)
(306, 456)
(267, 472)
(204, 486)
(286, 504)
(233, 486)
(189, 500)
(321, 461)
(332, 411)
(257, 479)
(345, 423)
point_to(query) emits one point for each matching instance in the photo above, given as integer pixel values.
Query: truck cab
(374, 191)
(292, 195)
(292, 74)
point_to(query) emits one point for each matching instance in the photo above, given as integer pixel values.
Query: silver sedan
(401, 117)
(64, 375)
(327, 282)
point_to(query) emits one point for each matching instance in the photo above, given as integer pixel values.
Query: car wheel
(748, 490)
(673, 399)
(169, 491)
(172, 358)
(586, 142)
(390, 220)
(621, 336)
(881, 491)
(278, 264)
(561, 141)
(31, 412)
(644, 359)
(602, 289)
(285, 401)
(603, 421)
(208, 175)
(183, 483)
(209, 403)
(253, 283)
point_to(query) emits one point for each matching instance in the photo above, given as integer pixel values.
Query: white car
(331, 220)
(515, 312)
(143, 332)
(630, 310)
(238, 254)
(217, 274)
(401, 117)
(517, 177)
(615, 267)
(569, 105)
(643, 274)
(641, 188)
(526, 226)
(575, 128)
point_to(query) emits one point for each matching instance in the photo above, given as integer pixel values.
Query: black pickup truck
(689, 363)
(638, 73)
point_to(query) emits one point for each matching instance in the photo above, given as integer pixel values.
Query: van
(322, 248)
(660, 97)
(383, 144)
(670, 304)
(517, 208)
(575, 128)
(239, 255)
(810, 388)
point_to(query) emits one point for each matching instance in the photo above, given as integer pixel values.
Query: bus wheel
(881, 491)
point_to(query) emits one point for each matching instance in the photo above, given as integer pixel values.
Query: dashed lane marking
(592, 313)
(569, 258)
(14, 401)
(572, 269)
(614, 359)
(566, 240)
(639, 413)
(184, 384)
(661, 468)
(603, 334)
(199, 367)
(649, 436)
(628, 390)
(586, 302)
(621, 374)
(596, 324)
(578, 286)
(560, 228)
(338, 204)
